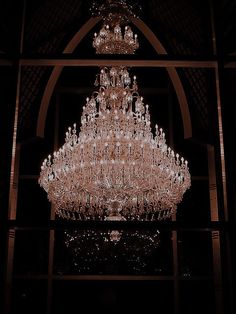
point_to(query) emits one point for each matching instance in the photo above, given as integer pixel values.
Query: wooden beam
(174, 63)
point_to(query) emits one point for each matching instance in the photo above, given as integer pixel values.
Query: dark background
(179, 274)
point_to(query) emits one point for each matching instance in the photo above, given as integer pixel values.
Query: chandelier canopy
(115, 168)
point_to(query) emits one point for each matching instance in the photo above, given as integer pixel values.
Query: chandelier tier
(110, 41)
(115, 168)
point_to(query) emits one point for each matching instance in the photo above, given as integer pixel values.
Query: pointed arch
(156, 44)
(71, 46)
(174, 76)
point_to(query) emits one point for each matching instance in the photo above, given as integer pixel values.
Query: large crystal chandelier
(115, 36)
(115, 168)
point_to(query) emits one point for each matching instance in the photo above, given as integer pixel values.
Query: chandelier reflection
(102, 251)
(115, 168)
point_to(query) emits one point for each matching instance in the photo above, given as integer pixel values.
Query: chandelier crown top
(111, 39)
(114, 41)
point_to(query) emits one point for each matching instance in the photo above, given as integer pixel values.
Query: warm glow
(114, 42)
(115, 168)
